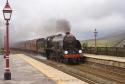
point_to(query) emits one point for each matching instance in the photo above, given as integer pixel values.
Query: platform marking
(58, 76)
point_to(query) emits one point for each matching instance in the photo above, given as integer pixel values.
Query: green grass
(105, 42)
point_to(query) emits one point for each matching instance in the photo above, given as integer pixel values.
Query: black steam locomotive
(57, 47)
(64, 48)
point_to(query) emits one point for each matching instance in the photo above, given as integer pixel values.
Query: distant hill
(113, 40)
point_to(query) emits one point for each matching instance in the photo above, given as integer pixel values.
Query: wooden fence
(113, 51)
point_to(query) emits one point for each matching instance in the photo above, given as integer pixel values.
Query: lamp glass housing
(7, 14)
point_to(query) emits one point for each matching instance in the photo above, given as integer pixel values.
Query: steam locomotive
(61, 48)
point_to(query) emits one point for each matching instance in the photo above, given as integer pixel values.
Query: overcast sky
(29, 16)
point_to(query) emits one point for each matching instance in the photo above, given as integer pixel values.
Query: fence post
(97, 50)
(106, 49)
(116, 51)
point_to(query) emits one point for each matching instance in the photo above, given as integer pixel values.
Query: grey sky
(29, 16)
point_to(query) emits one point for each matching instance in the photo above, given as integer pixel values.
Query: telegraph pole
(95, 37)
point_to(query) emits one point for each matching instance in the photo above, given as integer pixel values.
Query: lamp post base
(7, 76)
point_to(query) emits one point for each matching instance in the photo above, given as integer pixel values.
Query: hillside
(114, 40)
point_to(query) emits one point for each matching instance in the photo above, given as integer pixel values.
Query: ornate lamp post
(95, 35)
(7, 11)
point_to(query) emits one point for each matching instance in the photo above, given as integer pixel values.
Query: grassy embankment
(110, 41)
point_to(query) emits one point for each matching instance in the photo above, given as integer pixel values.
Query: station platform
(26, 70)
(107, 60)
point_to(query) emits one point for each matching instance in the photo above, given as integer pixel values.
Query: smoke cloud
(57, 26)
(41, 29)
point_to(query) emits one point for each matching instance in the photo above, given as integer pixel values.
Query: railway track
(88, 72)
(103, 68)
(65, 69)
(103, 76)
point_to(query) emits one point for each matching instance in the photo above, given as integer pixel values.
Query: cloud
(30, 16)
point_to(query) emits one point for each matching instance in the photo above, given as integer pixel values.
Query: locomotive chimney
(67, 33)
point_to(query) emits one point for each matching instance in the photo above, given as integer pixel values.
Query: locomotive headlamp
(80, 51)
(65, 52)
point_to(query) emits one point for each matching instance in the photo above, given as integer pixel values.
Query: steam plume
(41, 29)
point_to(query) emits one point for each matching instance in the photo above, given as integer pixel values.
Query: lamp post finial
(7, 1)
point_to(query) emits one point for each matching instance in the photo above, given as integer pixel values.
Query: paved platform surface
(105, 57)
(26, 70)
(23, 73)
